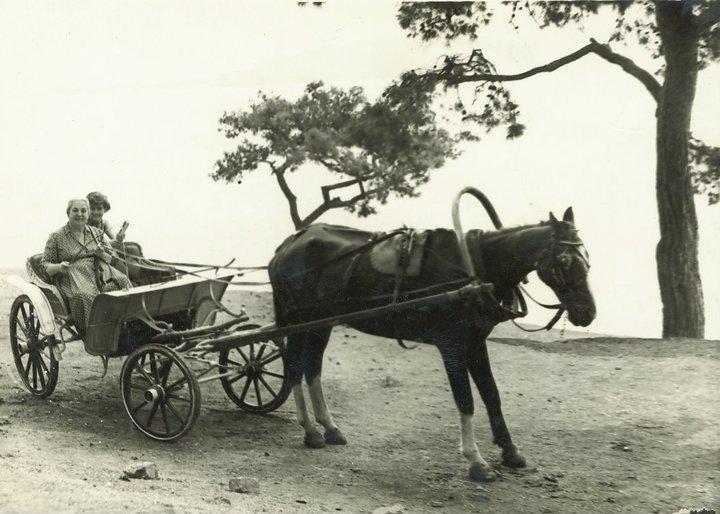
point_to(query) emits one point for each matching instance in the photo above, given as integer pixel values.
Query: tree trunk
(677, 250)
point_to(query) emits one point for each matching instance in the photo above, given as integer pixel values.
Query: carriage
(322, 276)
(160, 378)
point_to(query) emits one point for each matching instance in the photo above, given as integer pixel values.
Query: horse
(311, 280)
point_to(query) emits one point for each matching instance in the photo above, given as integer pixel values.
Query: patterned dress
(90, 271)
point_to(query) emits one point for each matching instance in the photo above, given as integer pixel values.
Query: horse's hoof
(512, 458)
(482, 473)
(335, 437)
(314, 440)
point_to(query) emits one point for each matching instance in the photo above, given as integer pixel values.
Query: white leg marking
(322, 413)
(300, 408)
(467, 441)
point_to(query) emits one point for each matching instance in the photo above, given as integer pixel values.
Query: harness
(476, 270)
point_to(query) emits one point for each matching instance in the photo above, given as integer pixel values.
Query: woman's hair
(76, 200)
(96, 198)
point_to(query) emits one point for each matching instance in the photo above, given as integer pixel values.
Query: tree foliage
(390, 145)
(635, 22)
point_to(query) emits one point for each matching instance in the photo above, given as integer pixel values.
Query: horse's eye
(564, 261)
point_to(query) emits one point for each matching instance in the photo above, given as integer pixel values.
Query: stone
(389, 381)
(392, 509)
(4, 421)
(143, 470)
(244, 485)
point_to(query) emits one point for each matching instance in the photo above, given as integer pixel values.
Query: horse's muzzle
(581, 315)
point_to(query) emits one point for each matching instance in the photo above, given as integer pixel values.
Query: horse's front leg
(479, 366)
(454, 358)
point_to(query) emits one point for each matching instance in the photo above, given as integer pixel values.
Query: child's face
(96, 212)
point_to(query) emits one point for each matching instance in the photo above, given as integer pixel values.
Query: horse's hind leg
(313, 374)
(296, 363)
(479, 366)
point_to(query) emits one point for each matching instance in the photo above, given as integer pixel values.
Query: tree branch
(335, 203)
(291, 198)
(604, 51)
(628, 66)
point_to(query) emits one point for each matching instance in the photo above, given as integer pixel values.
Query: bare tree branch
(335, 203)
(448, 72)
(628, 66)
(289, 195)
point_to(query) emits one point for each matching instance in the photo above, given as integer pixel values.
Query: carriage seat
(142, 271)
(38, 276)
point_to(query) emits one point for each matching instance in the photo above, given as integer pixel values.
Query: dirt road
(607, 425)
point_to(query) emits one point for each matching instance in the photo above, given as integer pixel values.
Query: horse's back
(308, 268)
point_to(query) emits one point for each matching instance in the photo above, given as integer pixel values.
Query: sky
(124, 97)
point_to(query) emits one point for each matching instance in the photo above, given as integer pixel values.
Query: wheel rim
(259, 383)
(160, 393)
(37, 371)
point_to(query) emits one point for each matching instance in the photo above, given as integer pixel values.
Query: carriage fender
(40, 302)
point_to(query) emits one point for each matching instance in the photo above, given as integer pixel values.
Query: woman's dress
(90, 271)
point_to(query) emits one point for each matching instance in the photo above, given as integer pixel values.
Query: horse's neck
(511, 254)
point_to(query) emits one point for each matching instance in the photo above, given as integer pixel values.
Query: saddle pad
(385, 256)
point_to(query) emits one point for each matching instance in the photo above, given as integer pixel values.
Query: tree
(681, 37)
(386, 147)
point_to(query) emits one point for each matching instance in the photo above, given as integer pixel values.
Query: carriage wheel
(160, 392)
(261, 384)
(38, 371)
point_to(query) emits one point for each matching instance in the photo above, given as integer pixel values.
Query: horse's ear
(569, 216)
(553, 219)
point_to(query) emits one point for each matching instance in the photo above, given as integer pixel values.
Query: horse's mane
(510, 230)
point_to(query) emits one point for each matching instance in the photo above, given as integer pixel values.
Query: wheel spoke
(262, 350)
(34, 368)
(178, 398)
(272, 374)
(138, 407)
(42, 364)
(257, 390)
(40, 373)
(236, 377)
(153, 367)
(24, 331)
(165, 372)
(245, 390)
(267, 386)
(272, 357)
(163, 413)
(235, 363)
(175, 412)
(143, 373)
(24, 314)
(243, 355)
(27, 368)
(151, 416)
(177, 384)
(252, 352)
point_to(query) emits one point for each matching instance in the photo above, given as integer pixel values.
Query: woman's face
(97, 212)
(78, 213)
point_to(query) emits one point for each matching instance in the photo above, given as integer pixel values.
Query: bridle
(558, 277)
(554, 272)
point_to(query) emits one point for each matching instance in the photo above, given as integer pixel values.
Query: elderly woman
(77, 258)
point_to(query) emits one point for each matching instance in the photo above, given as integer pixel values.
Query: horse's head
(564, 266)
